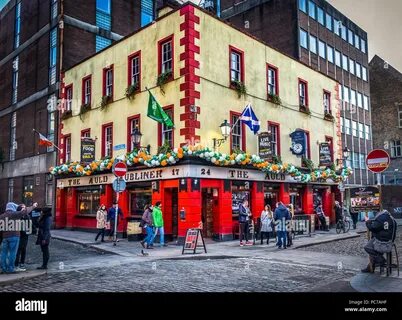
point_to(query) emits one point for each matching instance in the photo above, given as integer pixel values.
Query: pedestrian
(101, 217)
(338, 212)
(111, 216)
(44, 222)
(383, 232)
(281, 216)
(157, 219)
(354, 214)
(266, 223)
(22, 247)
(290, 230)
(35, 214)
(11, 238)
(321, 217)
(147, 224)
(244, 214)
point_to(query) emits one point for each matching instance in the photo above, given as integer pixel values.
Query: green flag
(156, 112)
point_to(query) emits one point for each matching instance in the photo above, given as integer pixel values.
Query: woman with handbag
(147, 224)
(45, 221)
(266, 223)
(101, 217)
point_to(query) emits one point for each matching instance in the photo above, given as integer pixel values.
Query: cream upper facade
(207, 54)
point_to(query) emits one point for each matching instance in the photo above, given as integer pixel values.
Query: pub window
(86, 93)
(139, 197)
(134, 70)
(67, 148)
(133, 123)
(166, 55)
(236, 65)
(69, 97)
(295, 195)
(108, 81)
(303, 93)
(273, 81)
(274, 130)
(88, 201)
(240, 192)
(236, 134)
(107, 140)
(327, 102)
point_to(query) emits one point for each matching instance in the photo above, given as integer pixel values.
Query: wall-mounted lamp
(226, 128)
(136, 136)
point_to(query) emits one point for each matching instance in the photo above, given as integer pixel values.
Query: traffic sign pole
(115, 219)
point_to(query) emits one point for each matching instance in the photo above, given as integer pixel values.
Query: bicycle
(343, 224)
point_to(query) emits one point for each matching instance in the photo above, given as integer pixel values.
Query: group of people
(151, 222)
(270, 223)
(17, 222)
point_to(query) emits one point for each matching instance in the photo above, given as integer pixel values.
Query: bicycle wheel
(347, 226)
(338, 228)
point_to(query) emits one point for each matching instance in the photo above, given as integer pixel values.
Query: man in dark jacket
(11, 225)
(111, 216)
(281, 216)
(244, 213)
(338, 212)
(354, 216)
(383, 228)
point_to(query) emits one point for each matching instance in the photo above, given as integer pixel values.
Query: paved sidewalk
(133, 249)
(20, 276)
(369, 282)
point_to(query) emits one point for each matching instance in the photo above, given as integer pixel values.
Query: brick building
(38, 40)
(386, 101)
(317, 34)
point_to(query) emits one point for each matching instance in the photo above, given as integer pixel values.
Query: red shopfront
(191, 195)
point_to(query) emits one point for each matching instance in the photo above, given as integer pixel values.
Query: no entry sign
(377, 161)
(120, 169)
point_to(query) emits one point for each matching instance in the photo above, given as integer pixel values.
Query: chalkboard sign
(325, 154)
(193, 241)
(87, 150)
(365, 198)
(264, 146)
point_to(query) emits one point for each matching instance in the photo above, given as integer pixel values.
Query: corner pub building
(201, 177)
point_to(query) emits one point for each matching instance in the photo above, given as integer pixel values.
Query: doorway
(207, 215)
(171, 212)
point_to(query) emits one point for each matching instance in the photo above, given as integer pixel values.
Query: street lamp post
(345, 157)
(225, 131)
(136, 136)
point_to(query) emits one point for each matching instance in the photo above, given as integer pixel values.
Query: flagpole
(49, 140)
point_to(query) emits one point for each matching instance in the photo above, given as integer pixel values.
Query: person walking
(244, 214)
(101, 217)
(290, 231)
(354, 215)
(338, 212)
(44, 223)
(11, 238)
(111, 218)
(157, 219)
(147, 224)
(266, 223)
(281, 216)
(22, 247)
(321, 217)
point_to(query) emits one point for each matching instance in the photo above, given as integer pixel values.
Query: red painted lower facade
(211, 201)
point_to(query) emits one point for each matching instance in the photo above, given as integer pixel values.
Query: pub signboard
(87, 150)
(325, 154)
(264, 146)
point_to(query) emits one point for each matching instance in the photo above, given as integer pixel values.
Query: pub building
(291, 101)
(191, 192)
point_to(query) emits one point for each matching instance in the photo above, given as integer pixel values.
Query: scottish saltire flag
(249, 118)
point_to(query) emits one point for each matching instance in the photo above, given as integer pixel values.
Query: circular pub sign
(377, 161)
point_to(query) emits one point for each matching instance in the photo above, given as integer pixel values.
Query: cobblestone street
(87, 270)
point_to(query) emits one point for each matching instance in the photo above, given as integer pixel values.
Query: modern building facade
(320, 36)
(386, 101)
(203, 72)
(39, 39)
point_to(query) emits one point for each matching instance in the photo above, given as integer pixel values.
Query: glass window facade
(321, 48)
(313, 44)
(53, 56)
(330, 54)
(312, 9)
(303, 39)
(147, 12)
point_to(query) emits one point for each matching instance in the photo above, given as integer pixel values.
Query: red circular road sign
(377, 161)
(120, 169)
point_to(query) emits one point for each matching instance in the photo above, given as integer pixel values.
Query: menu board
(325, 154)
(193, 241)
(365, 199)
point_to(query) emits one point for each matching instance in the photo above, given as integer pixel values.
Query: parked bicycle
(343, 225)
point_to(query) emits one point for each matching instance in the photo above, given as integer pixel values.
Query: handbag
(143, 223)
(382, 246)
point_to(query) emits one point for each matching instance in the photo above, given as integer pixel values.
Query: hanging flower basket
(304, 109)
(132, 90)
(329, 117)
(274, 99)
(240, 88)
(105, 100)
(84, 109)
(66, 114)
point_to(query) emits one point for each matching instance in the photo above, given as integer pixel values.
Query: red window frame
(167, 108)
(104, 126)
(308, 143)
(243, 131)
(329, 100)
(85, 131)
(67, 136)
(67, 88)
(278, 134)
(89, 77)
(160, 45)
(330, 140)
(129, 119)
(104, 80)
(130, 58)
(306, 93)
(242, 74)
(270, 66)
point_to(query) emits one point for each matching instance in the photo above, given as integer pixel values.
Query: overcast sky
(382, 20)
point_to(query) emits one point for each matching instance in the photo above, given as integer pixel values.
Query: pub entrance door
(171, 212)
(207, 217)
